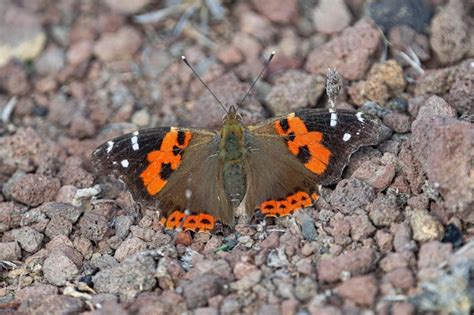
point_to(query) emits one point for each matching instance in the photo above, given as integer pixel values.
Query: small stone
(450, 33)
(11, 215)
(403, 308)
(356, 262)
(361, 290)
(14, 79)
(461, 93)
(425, 227)
(122, 225)
(34, 295)
(66, 210)
(398, 122)
(404, 38)
(305, 289)
(80, 52)
(58, 268)
(206, 311)
(198, 291)
(32, 189)
(248, 281)
(351, 194)
(401, 278)
(294, 89)
(129, 247)
(277, 11)
(230, 55)
(230, 305)
(120, 45)
(257, 26)
(51, 61)
(433, 254)
(384, 210)
(21, 34)
(361, 227)
(331, 16)
(305, 266)
(394, 261)
(435, 106)
(349, 52)
(127, 7)
(58, 304)
(141, 118)
(384, 241)
(28, 238)
(10, 251)
(376, 173)
(58, 225)
(402, 240)
(132, 276)
(453, 235)
(93, 226)
(183, 238)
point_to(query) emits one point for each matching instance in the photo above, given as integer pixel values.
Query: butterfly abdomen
(232, 151)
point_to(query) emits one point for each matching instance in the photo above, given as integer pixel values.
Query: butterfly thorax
(232, 151)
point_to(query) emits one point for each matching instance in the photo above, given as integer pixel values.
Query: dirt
(394, 236)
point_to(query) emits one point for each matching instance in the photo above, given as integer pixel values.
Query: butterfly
(198, 177)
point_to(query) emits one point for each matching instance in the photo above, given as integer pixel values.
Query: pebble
(434, 253)
(230, 55)
(59, 269)
(93, 226)
(10, 251)
(120, 45)
(361, 290)
(443, 147)
(200, 289)
(384, 241)
(331, 16)
(248, 281)
(394, 261)
(461, 93)
(29, 239)
(351, 194)
(402, 240)
(57, 304)
(80, 52)
(401, 278)
(293, 90)
(361, 227)
(425, 227)
(128, 278)
(127, 7)
(305, 289)
(21, 33)
(66, 210)
(450, 33)
(398, 122)
(404, 38)
(51, 61)
(349, 52)
(377, 174)
(141, 118)
(31, 189)
(11, 215)
(277, 11)
(356, 262)
(435, 106)
(129, 247)
(14, 80)
(58, 225)
(384, 210)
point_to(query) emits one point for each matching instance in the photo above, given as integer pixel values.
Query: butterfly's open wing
(292, 154)
(175, 169)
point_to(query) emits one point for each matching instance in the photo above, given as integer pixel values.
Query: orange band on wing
(164, 161)
(287, 206)
(201, 222)
(305, 145)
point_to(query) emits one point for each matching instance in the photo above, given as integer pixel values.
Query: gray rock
(28, 238)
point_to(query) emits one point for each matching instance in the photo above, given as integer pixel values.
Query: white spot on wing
(333, 121)
(135, 145)
(359, 117)
(110, 145)
(135, 133)
(124, 163)
(346, 137)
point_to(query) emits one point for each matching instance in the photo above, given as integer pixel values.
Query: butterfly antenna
(204, 83)
(256, 80)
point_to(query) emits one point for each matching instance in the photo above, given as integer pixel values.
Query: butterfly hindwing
(294, 153)
(165, 167)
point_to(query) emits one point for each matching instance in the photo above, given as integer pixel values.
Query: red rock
(34, 295)
(305, 266)
(384, 241)
(129, 247)
(14, 79)
(361, 227)
(201, 289)
(206, 311)
(384, 210)
(80, 52)
(93, 226)
(433, 254)
(289, 307)
(461, 95)
(402, 240)
(444, 147)
(257, 26)
(376, 173)
(119, 45)
(11, 214)
(356, 262)
(435, 81)
(294, 89)
(324, 310)
(230, 55)
(350, 194)
(396, 261)
(401, 278)
(450, 33)
(127, 7)
(57, 304)
(361, 290)
(403, 308)
(398, 122)
(435, 106)
(411, 168)
(29, 239)
(183, 238)
(10, 251)
(51, 61)
(247, 45)
(32, 189)
(349, 53)
(331, 16)
(58, 225)
(59, 269)
(277, 11)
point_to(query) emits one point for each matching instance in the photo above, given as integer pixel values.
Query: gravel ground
(394, 236)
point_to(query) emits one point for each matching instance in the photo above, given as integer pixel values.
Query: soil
(394, 236)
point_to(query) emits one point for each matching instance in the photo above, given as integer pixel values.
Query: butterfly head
(232, 114)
